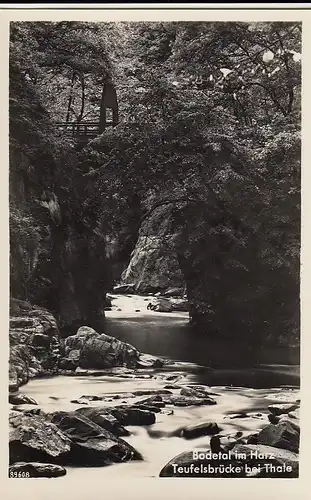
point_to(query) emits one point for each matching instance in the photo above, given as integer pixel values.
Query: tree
(209, 133)
(67, 61)
(211, 129)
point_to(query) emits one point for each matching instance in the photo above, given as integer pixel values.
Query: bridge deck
(84, 129)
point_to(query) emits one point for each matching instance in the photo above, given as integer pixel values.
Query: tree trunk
(79, 118)
(71, 97)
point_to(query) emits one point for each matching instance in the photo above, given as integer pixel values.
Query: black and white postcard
(155, 250)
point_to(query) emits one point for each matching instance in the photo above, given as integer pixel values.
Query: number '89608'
(19, 474)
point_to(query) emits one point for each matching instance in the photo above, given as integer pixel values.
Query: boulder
(124, 288)
(252, 461)
(105, 352)
(233, 416)
(99, 351)
(155, 408)
(90, 397)
(77, 341)
(77, 426)
(292, 422)
(160, 305)
(155, 401)
(294, 414)
(252, 439)
(279, 409)
(116, 417)
(200, 429)
(34, 438)
(21, 399)
(195, 392)
(273, 456)
(176, 400)
(105, 420)
(92, 445)
(97, 451)
(27, 409)
(148, 361)
(129, 415)
(67, 364)
(36, 469)
(150, 392)
(281, 435)
(180, 305)
(187, 463)
(174, 292)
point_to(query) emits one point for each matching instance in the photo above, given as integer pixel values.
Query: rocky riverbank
(95, 433)
(271, 452)
(97, 429)
(37, 349)
(34, 343)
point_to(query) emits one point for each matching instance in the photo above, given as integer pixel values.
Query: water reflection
(173, 337)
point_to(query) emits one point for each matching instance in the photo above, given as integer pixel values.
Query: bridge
(82, 131)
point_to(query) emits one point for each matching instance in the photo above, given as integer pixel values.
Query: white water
(154, 442)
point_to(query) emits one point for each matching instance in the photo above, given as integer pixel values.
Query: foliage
(210, 130)
(68, 62)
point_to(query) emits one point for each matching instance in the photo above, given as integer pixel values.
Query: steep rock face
(57, 252)
(154, 265)
(34, 342)
(57, 259)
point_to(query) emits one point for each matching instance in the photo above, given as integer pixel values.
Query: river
(242, 382)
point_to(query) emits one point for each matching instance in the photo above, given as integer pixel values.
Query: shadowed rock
(148, 361)
(176, 400)
(243, 461)
(196, 392)
(34, 438)
(200, 429)
(279, 409)
(273, 457)
(129, 415)
(281, 435)
(99, 351)
(21, 399)
(36, 469)
(127, 288)
(34, 343)
(92, 444)
(104, 419)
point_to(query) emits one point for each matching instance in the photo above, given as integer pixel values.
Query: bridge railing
(81, 130)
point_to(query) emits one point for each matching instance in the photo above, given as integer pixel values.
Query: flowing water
(242, 381)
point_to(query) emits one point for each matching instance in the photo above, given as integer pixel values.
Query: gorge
(154, 269)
